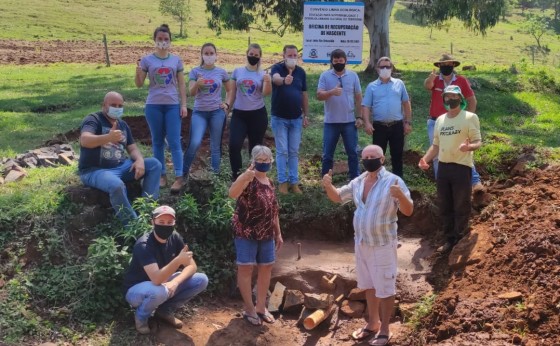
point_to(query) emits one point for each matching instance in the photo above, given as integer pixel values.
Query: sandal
(266, 316)
(255, 321)
(381, 340)
(362, 334)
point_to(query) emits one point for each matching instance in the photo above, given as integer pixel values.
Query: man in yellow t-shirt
(456, 136)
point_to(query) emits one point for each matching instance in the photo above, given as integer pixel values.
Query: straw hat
(447, 58)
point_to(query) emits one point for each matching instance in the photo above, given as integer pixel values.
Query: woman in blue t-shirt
(249, 117)
(166, 103)
(205, 84)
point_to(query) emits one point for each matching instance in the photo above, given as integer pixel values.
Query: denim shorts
(251, 252)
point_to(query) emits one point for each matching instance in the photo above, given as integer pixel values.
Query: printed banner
(331, 25)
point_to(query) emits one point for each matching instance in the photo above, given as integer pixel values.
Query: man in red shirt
(436, 82)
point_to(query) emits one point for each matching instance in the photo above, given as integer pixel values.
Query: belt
(387, 123)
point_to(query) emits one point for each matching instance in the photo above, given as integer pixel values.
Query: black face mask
(446, 70)
(163, 231)
(452, 103)
(253, 60)
(371, 165)
(339, 67)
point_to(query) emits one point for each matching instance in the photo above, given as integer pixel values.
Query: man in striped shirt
(378, 195)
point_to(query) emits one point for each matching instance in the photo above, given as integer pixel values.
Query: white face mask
(291, 63)
(163, 44)
(209, 59)
(115, 113)
(385, 73)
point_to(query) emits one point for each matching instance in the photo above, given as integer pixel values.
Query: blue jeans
(112, 181)
(349, 133)
(199, 122)
(475, 179)
(165, 122)
(146, 297)
(287, 136)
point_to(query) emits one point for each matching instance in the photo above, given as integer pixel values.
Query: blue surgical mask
(262, 166)
(115, 113)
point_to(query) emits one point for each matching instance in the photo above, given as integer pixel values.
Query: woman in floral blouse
(257, 232)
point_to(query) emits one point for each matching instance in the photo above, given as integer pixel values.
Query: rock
(357, 294)
(521, 165)
(353, 308)
(47, 344)
(488, 327)
(276, 297)
(471, 249)
(65, 160)
(406, 310)
(469, 68)
(293, 300)
(513, 295)
(318, 301)
(516, 340)
(14, 175)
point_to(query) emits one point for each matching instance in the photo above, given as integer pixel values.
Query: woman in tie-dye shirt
(249, 117)
(166, 103)
(205, 84)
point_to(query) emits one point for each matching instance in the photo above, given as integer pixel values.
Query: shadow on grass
(64, 95)
(406, 16)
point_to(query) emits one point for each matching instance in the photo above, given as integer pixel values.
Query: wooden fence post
(107, 61)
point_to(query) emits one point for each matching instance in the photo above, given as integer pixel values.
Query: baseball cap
(163, 210)
(453, 89)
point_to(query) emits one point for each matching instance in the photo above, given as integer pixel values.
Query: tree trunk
(376, 19)
(181, 20)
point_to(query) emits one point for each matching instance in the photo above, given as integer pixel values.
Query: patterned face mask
(163, 44)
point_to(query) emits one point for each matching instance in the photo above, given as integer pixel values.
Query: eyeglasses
(340, 81)
(384, 67)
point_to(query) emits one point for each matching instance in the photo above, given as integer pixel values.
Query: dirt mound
(47, 52)
(514, 247)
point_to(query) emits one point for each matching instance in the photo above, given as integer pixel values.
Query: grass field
(410, 42)
(516, 108)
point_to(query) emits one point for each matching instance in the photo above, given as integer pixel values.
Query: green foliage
(87, 291)
(209, 235)
(421, 310)
(537, 26)
(17, 318)
(177, 8)
(477, 15)
(276, 16)
(139, 226)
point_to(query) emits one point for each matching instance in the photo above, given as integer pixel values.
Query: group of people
(163, 274)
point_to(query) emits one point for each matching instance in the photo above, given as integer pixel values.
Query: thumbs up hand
(434, 74)
(249, 174)
(327, 179)
(289, 78)
(115, 135)
(465, 146)
(395, 190)
(337, 91)
(266, 77)
(199, 81)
